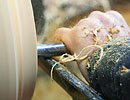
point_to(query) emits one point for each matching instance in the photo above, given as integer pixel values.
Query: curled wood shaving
(124, 70)
(68, 58)
(109, 37)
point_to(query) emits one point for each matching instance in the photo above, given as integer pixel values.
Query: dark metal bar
(50, 50)
(77, 89)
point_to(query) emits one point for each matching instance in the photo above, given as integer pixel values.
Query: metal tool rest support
(76, 88)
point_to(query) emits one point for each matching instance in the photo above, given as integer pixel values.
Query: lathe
(20, 53)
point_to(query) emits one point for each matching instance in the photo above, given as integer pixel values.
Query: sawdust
(68, 58)
(76, 57)
(124, 70)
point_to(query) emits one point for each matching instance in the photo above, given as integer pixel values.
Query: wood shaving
(68, 58)
(83, 28)
(124, 70)
(78, 83)
(122, 25)
(129, 33)
(109, 38)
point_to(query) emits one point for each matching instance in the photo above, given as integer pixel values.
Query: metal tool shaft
(50, 50)
(75, 87)
(68, 81)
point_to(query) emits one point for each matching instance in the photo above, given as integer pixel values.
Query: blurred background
(52, 14)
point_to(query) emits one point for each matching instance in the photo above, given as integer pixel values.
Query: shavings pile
(77, 57)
